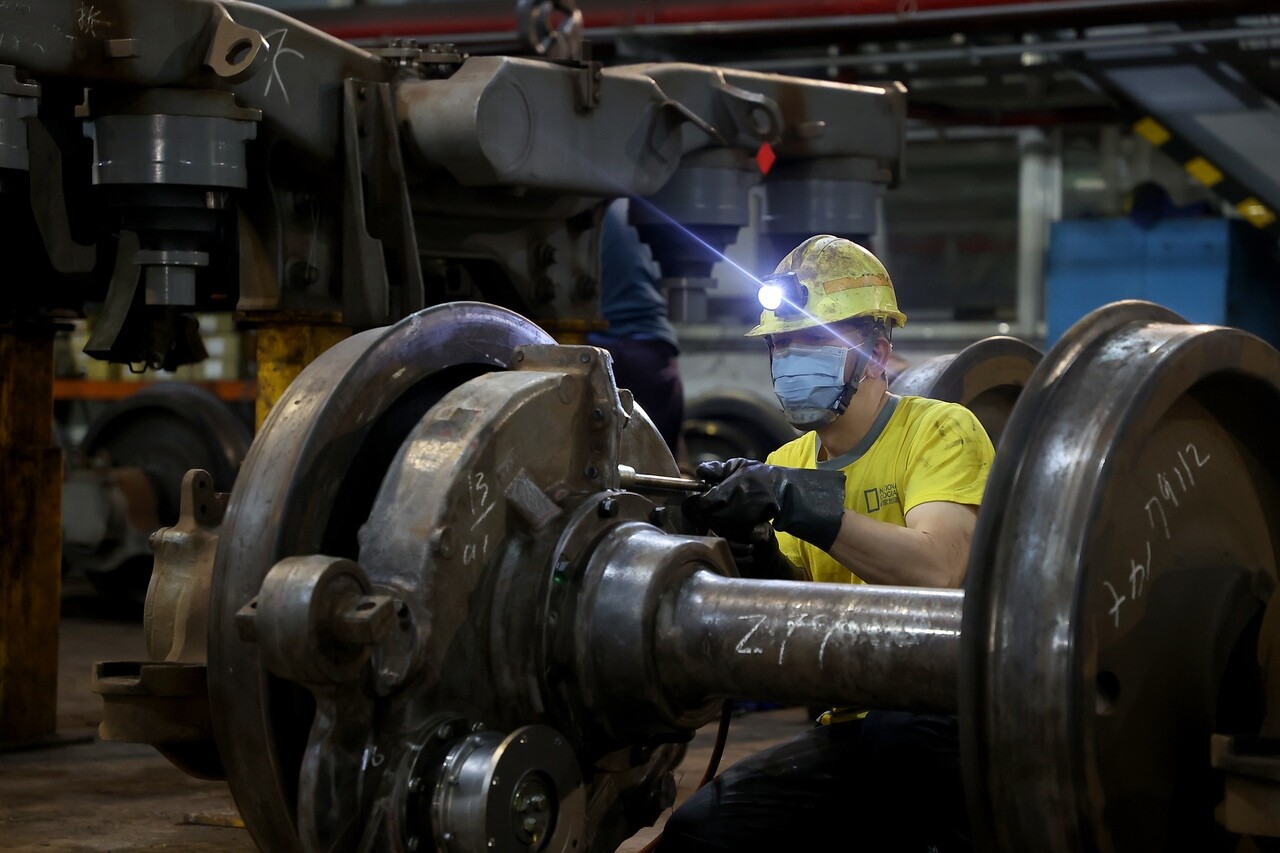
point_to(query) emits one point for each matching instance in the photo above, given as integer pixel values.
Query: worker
(640, 338)
(879, 489)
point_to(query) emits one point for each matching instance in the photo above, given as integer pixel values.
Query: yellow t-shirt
(919, 450)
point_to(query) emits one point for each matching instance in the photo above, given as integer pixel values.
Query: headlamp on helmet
(783, 294)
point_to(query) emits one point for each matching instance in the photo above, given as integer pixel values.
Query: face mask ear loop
(851, 387)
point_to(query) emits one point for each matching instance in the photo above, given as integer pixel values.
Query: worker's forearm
(880, 552)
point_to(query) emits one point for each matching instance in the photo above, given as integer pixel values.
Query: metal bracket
(1251, 803)
(236, 52)
(176, 620)
(757, 118)
(561, 41)
(382, 274)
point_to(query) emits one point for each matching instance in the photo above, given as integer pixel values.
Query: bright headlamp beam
(660, 212)
(770, 297)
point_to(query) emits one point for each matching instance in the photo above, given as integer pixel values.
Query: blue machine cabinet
(1208, 270)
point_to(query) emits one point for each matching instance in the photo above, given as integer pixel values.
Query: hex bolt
(608, 508)
(532, 809)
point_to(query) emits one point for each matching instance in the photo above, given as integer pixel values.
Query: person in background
(639, 337)
(879, 489)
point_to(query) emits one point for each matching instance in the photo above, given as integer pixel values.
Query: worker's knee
(692, 828)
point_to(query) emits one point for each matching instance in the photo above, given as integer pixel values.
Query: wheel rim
(1085, 723)
(306, 487)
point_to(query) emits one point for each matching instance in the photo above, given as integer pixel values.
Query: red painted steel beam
(497, 17)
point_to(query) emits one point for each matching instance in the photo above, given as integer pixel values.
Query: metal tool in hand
(630, 478)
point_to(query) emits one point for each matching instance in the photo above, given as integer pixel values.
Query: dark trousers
(649, 370)
(888, 782)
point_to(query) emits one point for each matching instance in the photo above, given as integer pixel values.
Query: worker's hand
(804, 502)
(762, 559)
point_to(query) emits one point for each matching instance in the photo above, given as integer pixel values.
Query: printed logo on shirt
(883, 496)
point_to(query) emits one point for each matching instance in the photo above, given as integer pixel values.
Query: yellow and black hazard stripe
(1207, 173)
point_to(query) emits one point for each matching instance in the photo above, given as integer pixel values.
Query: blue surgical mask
(809, 382)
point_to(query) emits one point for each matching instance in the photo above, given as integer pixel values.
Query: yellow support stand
(283, 350)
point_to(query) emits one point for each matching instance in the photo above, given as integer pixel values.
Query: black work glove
(762, 559)
(804, 502)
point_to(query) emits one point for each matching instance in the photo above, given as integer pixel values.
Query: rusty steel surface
(1125, 551)
(464, 532)
(431, 553)
(306, 487)
(30, 571)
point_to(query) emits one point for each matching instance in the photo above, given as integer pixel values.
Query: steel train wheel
(307, 487)
(172, 426)
(1115, 595)
(162, 431)
(986, 377)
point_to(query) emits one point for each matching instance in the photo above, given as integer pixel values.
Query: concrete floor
(111, 796)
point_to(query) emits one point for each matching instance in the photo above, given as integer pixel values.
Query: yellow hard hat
(840, 279)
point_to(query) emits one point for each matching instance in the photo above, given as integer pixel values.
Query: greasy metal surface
(618, 645)
(462, 532)
(863, 645)
(986, 377)
(511, 794)
(639, 793)
(1125, 549)
(306, 487)
(378, 181)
